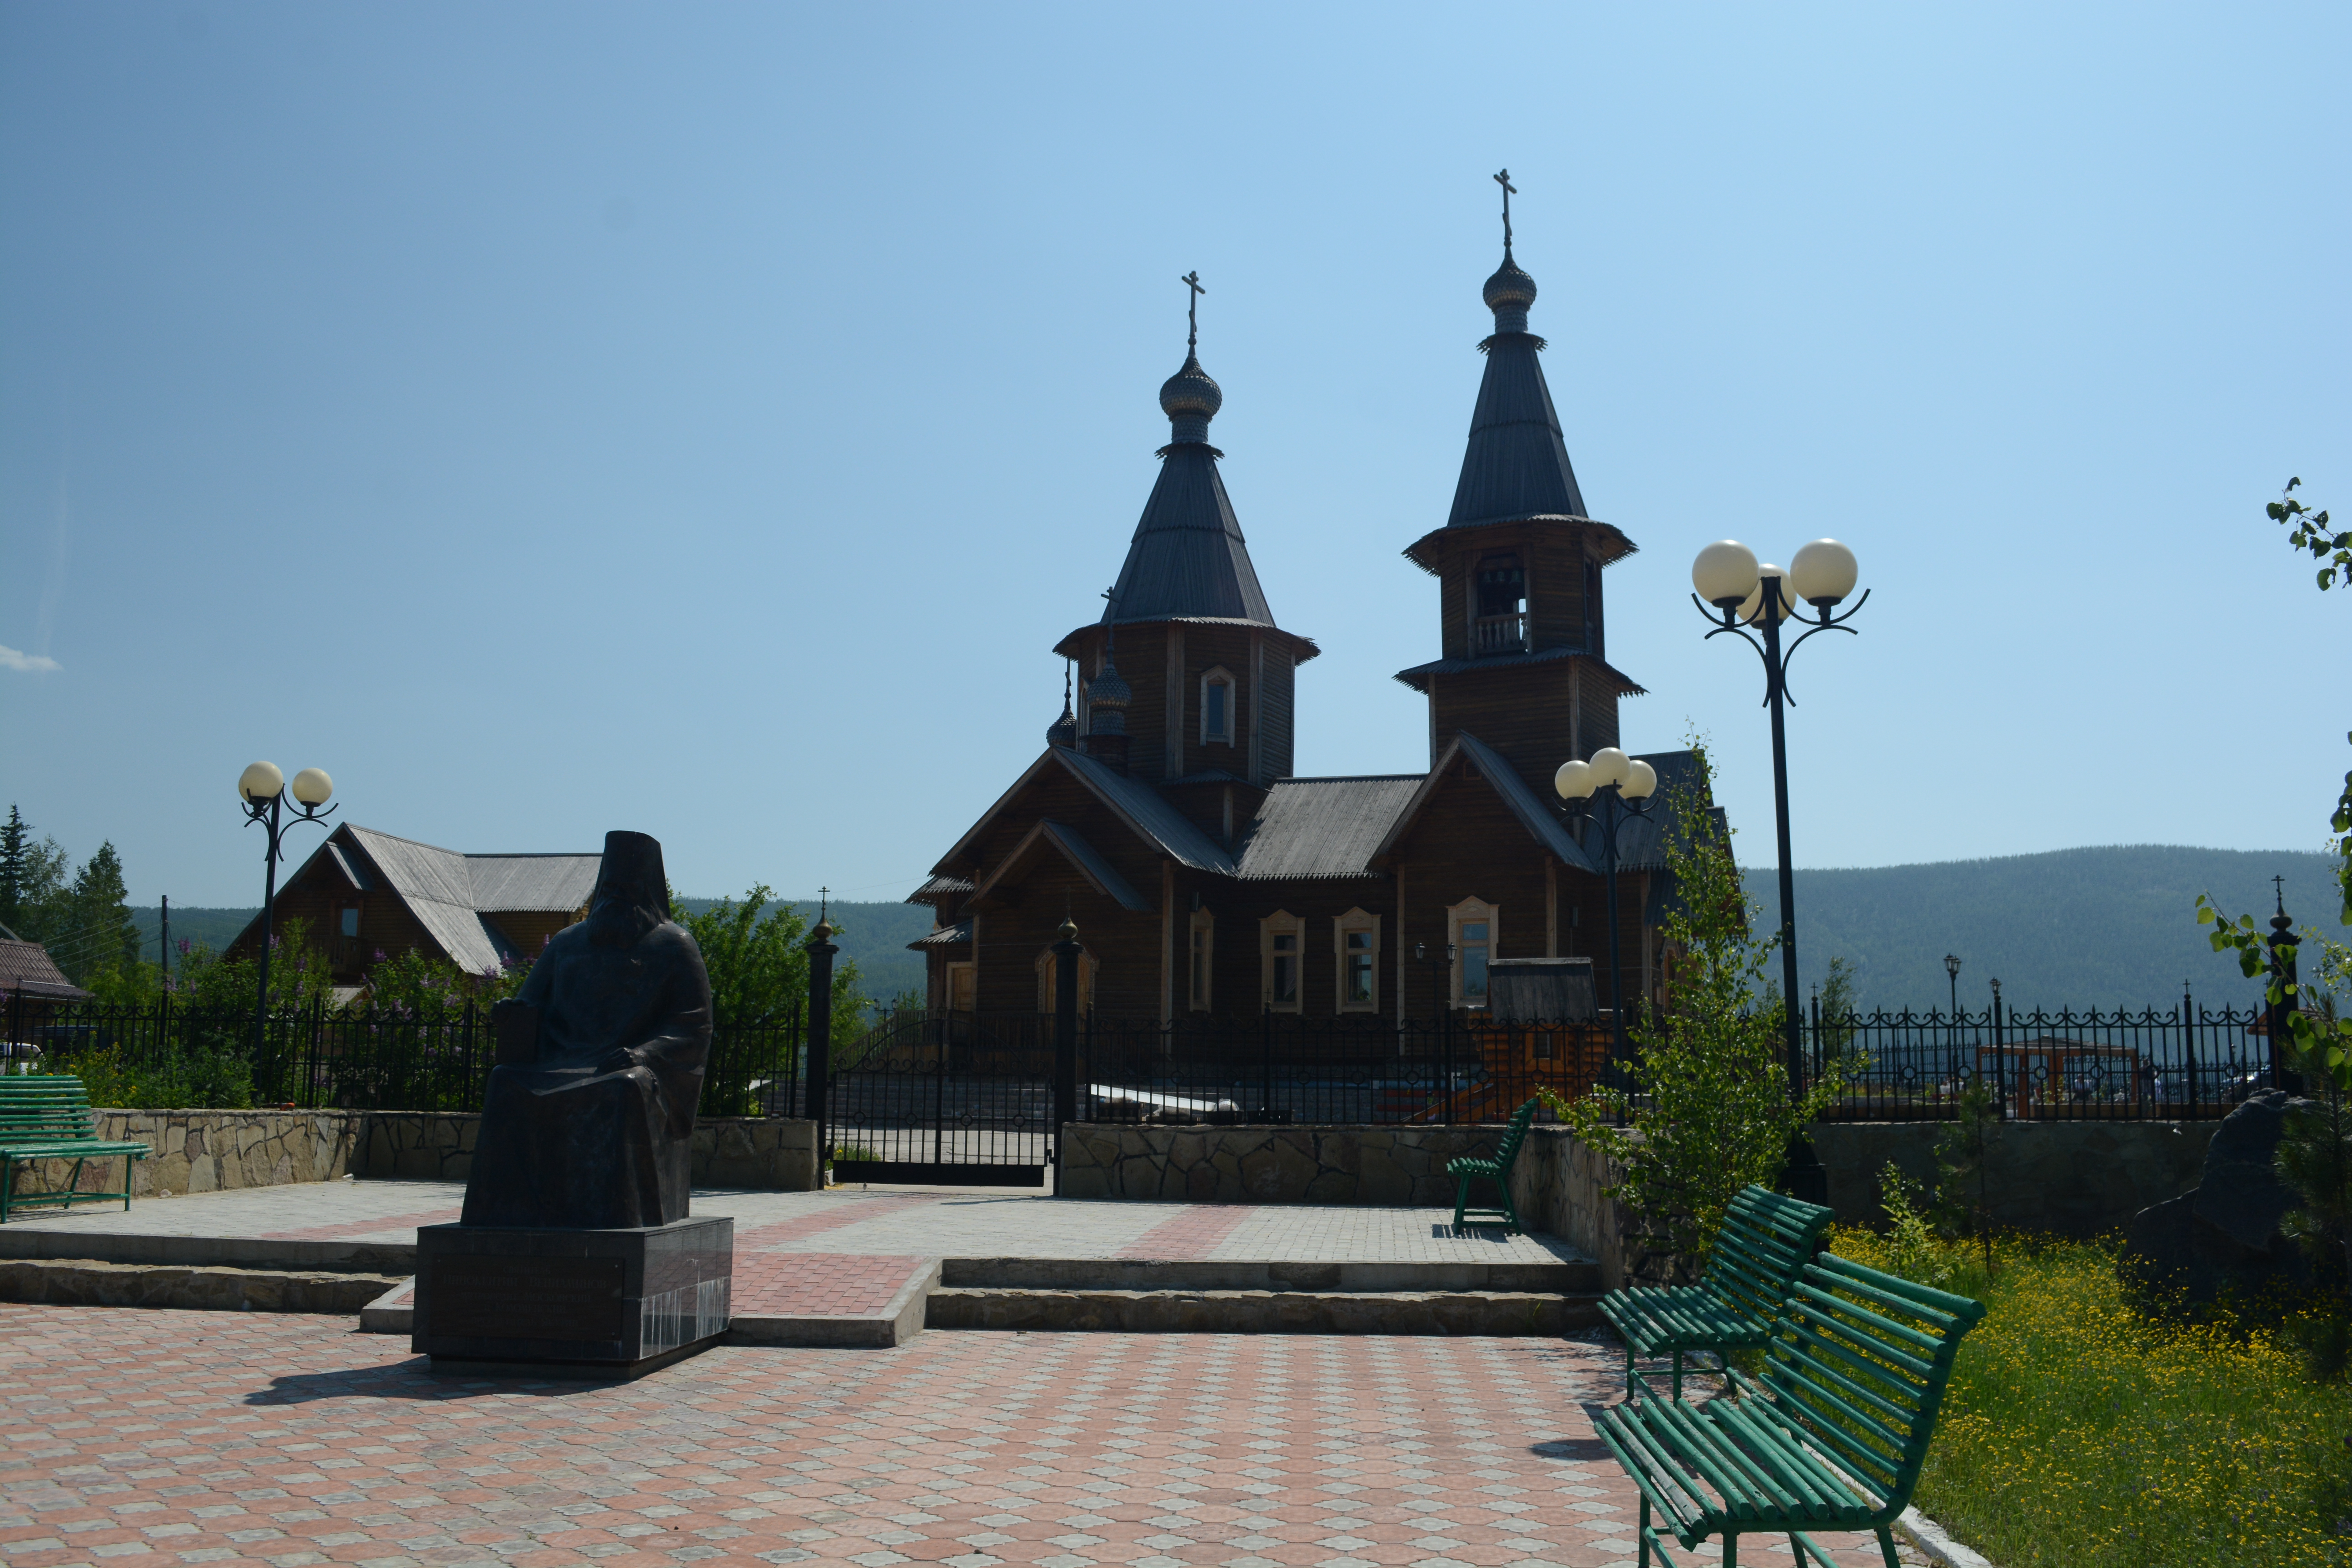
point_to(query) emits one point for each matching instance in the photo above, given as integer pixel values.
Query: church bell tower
(1523, 629)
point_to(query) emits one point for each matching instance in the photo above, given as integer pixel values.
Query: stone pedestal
(507, 1301)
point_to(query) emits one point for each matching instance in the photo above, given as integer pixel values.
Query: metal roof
(1545, 825)
(450, 893)
(1074, 848)
(1418, 676)
(1188, 557)
(938, 887)
(1517, 464)
(943, 936)
(1136, 804)
(1327, 827)
(26, 966)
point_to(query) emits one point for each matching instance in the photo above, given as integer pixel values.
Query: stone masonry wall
(215, 1151)
(209, 1152)
(763, 1154)
(2074, 1178)
(1403, 1166)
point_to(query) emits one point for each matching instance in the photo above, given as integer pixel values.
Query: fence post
(820, 950)
(1067, 957)
(1999, 1056)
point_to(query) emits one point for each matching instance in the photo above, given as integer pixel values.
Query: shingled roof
(1314, 828)
(1516, 465)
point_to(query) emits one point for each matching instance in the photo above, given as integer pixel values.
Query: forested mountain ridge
(2114, 926)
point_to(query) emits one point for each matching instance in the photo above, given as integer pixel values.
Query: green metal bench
(1766, 1238)
(1831, 1438)
(48, 1118)
(1468, 1169)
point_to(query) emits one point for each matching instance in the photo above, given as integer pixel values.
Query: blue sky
(705, 419)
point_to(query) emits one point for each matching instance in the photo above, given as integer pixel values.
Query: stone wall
(762, 1153)
(209, 1152)
(2074, 1178)
(214, 1151)
(1315, 1164)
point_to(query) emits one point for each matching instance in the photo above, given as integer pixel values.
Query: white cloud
(11, 659)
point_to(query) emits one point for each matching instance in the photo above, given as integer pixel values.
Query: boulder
(2222, 1238)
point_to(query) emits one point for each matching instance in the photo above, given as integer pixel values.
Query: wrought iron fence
(1352, 1070)
(325, 1058)
(2185, 1063)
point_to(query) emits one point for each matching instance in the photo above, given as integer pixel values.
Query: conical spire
(1188, 559)
(1516, 465)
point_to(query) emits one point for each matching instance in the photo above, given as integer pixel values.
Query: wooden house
(1205, 875)
(365, 896)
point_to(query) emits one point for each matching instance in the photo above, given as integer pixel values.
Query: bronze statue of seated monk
(589, 1120)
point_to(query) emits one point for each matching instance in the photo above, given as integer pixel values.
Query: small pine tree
(14, 835)
(1963, 1152)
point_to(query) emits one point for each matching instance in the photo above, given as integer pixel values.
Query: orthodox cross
(824, 899)
(1510, 190)
(1110, 619)
(2278, 884)
(1191, 313)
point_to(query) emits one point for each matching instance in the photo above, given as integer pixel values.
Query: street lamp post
(1613, 789)
(262, 790)
(1952, 968)
(1730, 584)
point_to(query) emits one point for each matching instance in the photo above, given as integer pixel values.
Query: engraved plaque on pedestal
(591, 1303)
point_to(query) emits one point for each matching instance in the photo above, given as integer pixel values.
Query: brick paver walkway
(879, 1220)
(195, 1436)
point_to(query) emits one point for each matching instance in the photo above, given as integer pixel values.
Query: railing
(1277, 1067)
(2185, 1063)
(1498, 634)
(318, 1057)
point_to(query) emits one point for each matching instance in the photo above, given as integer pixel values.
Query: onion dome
(1191, 400)
(1508, 294)
(1064, 731)
(1107, 699)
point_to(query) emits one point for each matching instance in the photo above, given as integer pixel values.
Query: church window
(1217, 706)
(1204, 953)
(961, 987)
(1280, 954)
(1501, 624)
(351, 922)
(1359, 937)
(1047, 963)
(1474, 924)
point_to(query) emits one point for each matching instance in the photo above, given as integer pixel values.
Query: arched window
(1356, 937)
(1281, 951)
(1474, 924)
(1217, 706)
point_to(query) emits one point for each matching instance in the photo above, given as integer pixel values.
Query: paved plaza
(171, 1436)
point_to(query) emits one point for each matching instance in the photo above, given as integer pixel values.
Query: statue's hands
(620, 1058)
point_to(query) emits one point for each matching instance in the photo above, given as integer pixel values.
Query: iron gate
(957, 1100)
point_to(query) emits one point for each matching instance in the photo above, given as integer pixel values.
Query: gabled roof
(1418, 676)
(943, 936)
(1074, 848)
(1545, 827)
(1313, 829)
(450, 893)
(1135, 803)
(27, 967)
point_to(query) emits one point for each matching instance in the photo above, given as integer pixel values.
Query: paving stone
(302, 1443)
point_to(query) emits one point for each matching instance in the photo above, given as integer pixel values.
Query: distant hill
(2105, 927)
(2108, 927)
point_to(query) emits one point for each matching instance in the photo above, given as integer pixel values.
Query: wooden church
(1205, 876)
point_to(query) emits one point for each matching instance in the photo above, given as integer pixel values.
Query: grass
(2081, 1430)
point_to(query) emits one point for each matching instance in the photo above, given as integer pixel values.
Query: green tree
(15, 841)
(98, 933)
(758, 960)
(1714, 1112)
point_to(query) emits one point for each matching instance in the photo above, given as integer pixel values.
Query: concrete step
(97, 1282)
(1217, 1311)
(1567, 1277)
(273, 1253)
